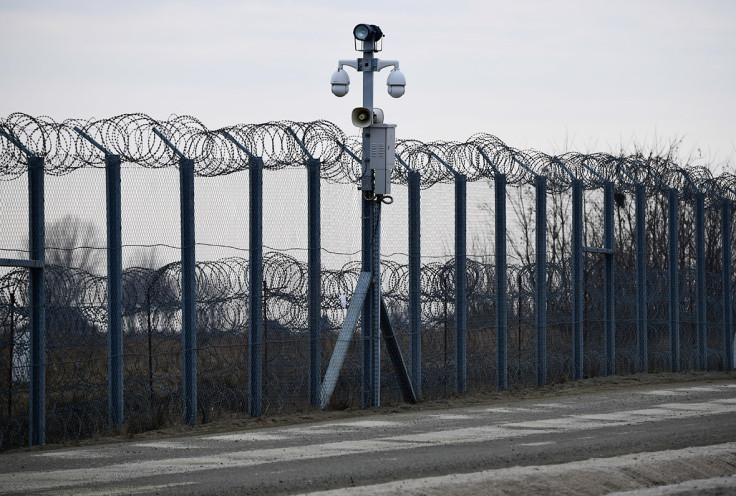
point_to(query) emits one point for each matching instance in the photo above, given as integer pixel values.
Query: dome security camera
(396, 83)
(340, 82)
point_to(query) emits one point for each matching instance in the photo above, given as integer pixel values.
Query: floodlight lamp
(367, 32)
(361, 32)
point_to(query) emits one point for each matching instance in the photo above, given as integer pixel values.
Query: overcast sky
(551, 75)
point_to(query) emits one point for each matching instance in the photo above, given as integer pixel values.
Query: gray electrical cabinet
(383, 156)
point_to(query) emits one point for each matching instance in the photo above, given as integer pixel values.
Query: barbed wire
(77, 300)
(77, 338)
(279, 144)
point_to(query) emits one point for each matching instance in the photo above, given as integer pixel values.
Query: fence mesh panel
(77, 287)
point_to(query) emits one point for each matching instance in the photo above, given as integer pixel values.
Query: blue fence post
(460, 281)
(255, 297)
(314, 283)
(577, 279)
(608, 296)
(188, 291)
(540, 304)
(700, 281)
(114, 291)
(673, 261)
(415, 304)
(641, 279)
(501, 284)
(37, 291)
(726, 262)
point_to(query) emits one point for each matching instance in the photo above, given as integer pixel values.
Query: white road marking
(686, 390)
(543, 443)
(164, 445)
(695, 407)
(664, 392)
(367, 424)
(555, 405)
(343, 426)
(248, 436)
(78, 453)
(507, 410)
(699, 389)
(447, 416)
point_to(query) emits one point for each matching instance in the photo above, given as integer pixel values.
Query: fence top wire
(283, 144)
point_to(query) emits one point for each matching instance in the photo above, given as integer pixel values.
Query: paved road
(593, 443)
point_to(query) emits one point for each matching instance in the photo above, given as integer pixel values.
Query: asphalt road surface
(671, 438)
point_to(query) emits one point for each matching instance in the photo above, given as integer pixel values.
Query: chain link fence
(547, 295)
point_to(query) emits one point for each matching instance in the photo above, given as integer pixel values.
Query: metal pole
(114, 283)
(641, 279)
(11, 349)
(367, 313)
(188, 291)
(540, 305)
(370, 324)
(501, 284)
(314, 284)
(609, 308)
(375, 293)
(460, 281)
(255, 303)
(114, 292)
(673, 254)
(577, 279)
(726, 262)
(415, 304)
(37, 291)
(700, 281)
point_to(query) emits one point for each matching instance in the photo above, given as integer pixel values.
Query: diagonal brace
(394, 352)
(344, 338)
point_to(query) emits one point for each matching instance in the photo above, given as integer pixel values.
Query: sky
(583, 75)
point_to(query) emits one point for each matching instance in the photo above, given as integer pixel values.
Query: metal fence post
(188, 291)
(673, 254)
(608, 296)
(415, 304)
(37, 291)
(114, 292)
(700, 281)
(540, 273)
(726, 261)
(577, 279)
(255, 303)
(314, 283)
(460, 281)
(501, 284)
(641, 279)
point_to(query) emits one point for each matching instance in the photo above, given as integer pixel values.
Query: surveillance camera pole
(371, 251)
(375, 187)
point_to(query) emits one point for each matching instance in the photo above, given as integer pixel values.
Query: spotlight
(367, 32)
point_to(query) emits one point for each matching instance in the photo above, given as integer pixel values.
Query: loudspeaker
(361, 117)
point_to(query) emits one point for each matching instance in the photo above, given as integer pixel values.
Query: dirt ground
(240, 422)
